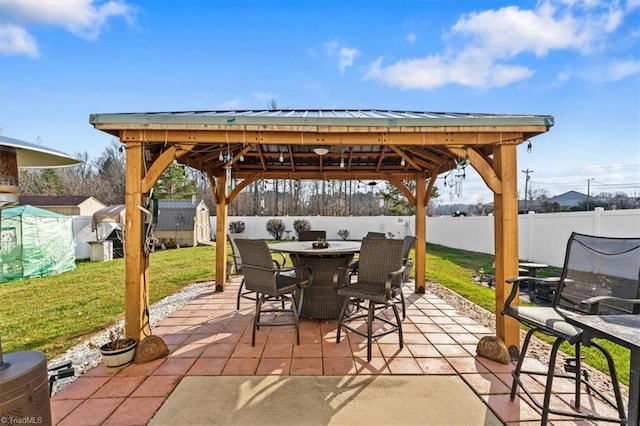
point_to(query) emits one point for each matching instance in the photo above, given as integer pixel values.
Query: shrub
(236, 227)
(276, 228)
(343, 233)
(301, 225)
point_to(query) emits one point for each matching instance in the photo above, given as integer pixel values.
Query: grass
(53, 314)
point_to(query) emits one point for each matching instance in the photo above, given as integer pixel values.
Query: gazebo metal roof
(360, 143)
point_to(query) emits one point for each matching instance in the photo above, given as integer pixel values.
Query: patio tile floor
(209, 337)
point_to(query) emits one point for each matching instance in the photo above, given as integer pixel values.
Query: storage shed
(35, 242)
(183, 223)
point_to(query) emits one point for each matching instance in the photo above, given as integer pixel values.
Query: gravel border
(86, 355)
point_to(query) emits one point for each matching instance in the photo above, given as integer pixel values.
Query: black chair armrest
(341, 276)
(388, 282)
(594, 302)
(283, 260)
(515, 289)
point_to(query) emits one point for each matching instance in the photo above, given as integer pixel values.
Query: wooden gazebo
(395, 146)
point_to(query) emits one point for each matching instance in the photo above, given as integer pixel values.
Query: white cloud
(435, 71)
(344, 55)
(483, 47)
(15, 40)
(562, 77)
(83, 18)
(621, 69)
(412, 37)
(610, 71)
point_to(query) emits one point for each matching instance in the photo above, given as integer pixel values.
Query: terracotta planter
(119, 357)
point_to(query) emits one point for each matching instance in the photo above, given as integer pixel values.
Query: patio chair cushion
(547, 318)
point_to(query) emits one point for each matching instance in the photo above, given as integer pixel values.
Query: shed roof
(54, 200)
(179, 204)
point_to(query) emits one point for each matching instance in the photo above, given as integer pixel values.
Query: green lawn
(54, 313)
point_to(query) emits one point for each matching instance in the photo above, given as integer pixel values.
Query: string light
(529, 146)
(281, 159)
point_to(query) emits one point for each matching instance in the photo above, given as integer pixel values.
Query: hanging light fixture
(403, 162)
(529, 146)
(342, 159)
(321, 150)
(220, 156)
(281, 158)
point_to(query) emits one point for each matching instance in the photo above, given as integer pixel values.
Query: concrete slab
(322, 400)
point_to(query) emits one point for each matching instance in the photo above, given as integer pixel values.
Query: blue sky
(576, 60)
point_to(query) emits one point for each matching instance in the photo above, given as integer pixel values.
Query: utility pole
(526, 187)
(589, 191)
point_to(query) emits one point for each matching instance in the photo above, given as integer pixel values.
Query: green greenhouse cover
(35, 242)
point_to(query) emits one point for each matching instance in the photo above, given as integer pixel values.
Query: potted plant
(118, 351)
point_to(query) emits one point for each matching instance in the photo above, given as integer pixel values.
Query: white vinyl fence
(543, 237)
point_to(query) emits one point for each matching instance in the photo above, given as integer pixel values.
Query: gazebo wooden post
(136, 324)
(421, 232)
(506, 238)
(220, 186)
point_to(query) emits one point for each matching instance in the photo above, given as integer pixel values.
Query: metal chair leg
(370, 315)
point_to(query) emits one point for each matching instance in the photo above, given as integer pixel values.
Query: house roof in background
(569, 199)
(54, 200)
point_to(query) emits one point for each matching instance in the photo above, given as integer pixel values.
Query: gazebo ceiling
(362, 144)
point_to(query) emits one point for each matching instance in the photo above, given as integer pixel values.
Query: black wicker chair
(312, 235)
(380, 283)
(370, 234)
(600, 276)
(243, 292)
(272, 284)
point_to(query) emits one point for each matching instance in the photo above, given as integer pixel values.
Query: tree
(397, 203)
(174, 184)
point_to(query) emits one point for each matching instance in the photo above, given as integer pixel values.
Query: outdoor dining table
(532, 271)
(622, 330)
(320, 299)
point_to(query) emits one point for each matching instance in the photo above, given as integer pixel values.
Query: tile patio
(209, 337)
